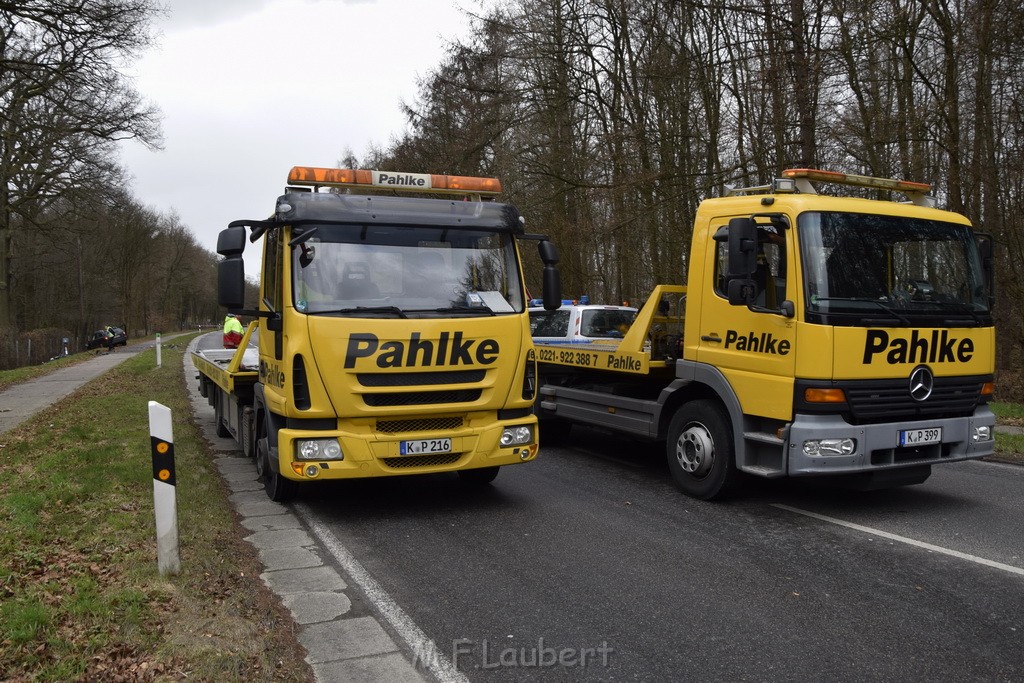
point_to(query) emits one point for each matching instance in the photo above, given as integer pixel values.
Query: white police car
(580, 323)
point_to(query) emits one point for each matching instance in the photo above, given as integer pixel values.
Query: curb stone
(339, 646)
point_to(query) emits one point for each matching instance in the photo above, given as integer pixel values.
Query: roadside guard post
(158, 350)
(164, 489)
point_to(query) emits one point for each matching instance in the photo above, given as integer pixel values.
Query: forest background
(608, 121)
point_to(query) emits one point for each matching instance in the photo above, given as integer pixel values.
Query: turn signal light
(824, 396)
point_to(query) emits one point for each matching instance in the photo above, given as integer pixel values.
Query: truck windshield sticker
(450, 349)
(938, 347)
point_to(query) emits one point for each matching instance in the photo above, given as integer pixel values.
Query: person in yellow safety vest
(232, 331)
(109, 336)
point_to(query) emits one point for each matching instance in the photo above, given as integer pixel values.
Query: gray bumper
(878, 444)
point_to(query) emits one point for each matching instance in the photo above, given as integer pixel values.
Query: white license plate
(919, 437)
(425, 446)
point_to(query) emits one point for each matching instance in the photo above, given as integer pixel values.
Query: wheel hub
(695, 450)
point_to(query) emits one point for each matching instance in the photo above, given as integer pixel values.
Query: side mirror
(548, 253)
(231, 282)
(985, 248)
(231, 241)
(552, 279)
(742, 248)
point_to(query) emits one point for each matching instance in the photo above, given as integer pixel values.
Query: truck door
(271, 341)
(753, 346)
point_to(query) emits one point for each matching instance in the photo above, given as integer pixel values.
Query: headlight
(318, 449)
(983, 433)
(830, 447)
(516, 436)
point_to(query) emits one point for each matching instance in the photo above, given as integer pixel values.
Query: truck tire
(478, 477)
(700, 450)
(248, 432)
(278, 488)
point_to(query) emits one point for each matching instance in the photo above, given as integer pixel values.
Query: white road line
(903, 539)
(425, 651)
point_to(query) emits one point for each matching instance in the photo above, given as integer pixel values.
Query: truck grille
(416, 379)
(426, 424)
(890, 400)
(420, 398)
(422, 460)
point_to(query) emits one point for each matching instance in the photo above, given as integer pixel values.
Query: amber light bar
(393, 180)
(857, 180)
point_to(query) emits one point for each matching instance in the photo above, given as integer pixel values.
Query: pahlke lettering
(757, 343)
(934, 347)
(450, 349)
(406, 180)
(624, 363)
(271, 374)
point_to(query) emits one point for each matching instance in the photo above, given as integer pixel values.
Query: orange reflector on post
(824, 396)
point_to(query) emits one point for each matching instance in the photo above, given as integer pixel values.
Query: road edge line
(425, 651)
(903, 539)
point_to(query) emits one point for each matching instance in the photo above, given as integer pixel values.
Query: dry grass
(80, 596)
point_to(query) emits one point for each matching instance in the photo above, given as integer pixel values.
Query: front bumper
(368, 453)
(878, 444)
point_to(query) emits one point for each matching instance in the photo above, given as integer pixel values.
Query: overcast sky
(250, 88)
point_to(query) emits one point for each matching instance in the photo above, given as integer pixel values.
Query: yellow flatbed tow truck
(815, 336)
(393, 331)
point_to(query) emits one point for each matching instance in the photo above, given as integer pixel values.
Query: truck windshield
(862, 269)
(400, 271)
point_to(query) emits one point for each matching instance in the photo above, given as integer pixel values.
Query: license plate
(425, 446)
(919, 437)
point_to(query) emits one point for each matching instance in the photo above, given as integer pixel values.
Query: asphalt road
(590, 554)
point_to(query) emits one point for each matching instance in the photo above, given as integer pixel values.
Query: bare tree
(63, 102)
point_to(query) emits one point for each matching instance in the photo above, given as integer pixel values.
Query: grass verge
(80, 596)
(1009, 447)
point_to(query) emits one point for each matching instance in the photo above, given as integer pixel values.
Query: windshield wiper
(363, 309)
(964, 308)
(483, 310)
(902, 318)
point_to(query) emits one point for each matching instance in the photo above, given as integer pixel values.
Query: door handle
(711, 338)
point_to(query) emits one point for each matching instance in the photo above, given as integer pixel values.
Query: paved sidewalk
(22, 401)
(343, 639)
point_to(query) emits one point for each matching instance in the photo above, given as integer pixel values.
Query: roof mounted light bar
(916, 192)
(390, 180)
(799, 179)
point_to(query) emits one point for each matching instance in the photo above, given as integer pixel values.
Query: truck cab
(819, 336)
(392, 326)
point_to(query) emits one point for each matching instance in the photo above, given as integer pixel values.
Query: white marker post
(164, 489)
(158, 349)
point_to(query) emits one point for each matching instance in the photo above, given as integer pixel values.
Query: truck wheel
(278, 488)
(700, 450)
(478, 477)
(248, 432)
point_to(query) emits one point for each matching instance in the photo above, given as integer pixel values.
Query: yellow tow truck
(393, 334)
(815, 336)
